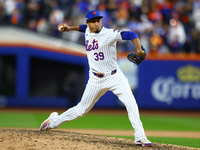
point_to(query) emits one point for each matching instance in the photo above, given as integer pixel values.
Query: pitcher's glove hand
(134, 58)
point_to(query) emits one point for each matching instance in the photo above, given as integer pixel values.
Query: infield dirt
(73, 139)
(32, 139)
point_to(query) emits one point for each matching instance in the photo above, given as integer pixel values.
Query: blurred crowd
(163, 25)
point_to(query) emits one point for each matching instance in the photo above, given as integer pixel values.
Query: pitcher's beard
(97, 31)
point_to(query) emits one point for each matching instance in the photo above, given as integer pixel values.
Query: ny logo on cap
(94, 12)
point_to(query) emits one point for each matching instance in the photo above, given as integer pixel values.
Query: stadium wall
(167, 81)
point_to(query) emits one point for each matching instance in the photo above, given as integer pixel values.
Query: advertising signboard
(169, 85)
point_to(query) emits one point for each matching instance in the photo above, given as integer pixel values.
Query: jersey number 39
(99, 56)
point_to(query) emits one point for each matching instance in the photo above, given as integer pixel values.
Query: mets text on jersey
(92, 46)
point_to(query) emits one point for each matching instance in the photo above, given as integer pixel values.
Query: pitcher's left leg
(92, 93)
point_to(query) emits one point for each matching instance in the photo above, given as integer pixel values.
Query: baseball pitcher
(104, 74)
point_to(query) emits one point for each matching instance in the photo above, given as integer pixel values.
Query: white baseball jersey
(101, 49)
(102, 57)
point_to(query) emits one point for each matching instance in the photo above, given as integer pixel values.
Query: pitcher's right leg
(121, 88)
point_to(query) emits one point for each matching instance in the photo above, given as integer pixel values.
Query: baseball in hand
(61, 28)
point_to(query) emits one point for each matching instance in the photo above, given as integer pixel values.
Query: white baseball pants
(95, 88)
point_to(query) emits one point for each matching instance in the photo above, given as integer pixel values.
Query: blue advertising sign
(169, 85)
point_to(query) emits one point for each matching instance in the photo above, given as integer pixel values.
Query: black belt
(101, 75)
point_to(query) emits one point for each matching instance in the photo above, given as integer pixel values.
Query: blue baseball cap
(93, 14)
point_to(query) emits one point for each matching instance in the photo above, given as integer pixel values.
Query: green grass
(92, 121)
(189, 142)
(20, 119)
(149, 123)
(171, 123)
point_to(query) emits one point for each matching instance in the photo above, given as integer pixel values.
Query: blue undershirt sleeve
(129, 35)
(82, 28)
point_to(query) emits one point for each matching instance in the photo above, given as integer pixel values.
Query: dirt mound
(32, 139)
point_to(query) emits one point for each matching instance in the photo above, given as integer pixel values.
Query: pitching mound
(32, 139)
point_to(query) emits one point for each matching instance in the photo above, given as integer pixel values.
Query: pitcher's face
(94, 25)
